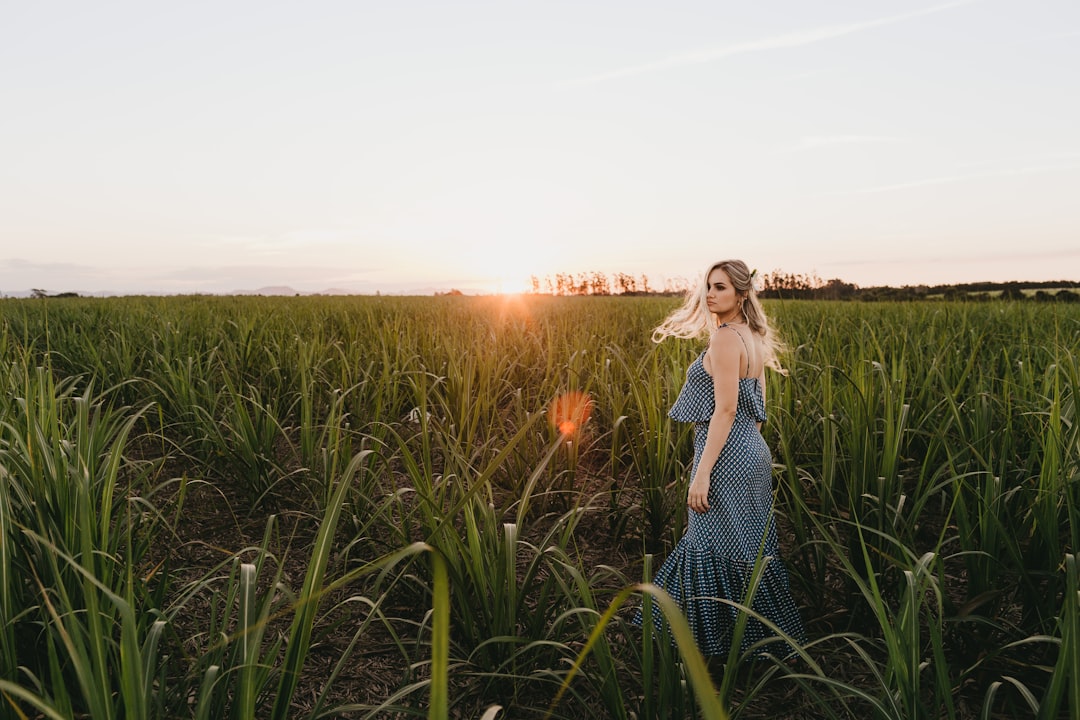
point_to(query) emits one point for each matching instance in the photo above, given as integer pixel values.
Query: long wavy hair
(693, 319)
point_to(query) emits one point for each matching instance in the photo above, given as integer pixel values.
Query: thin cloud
(231, 277)
(18, 275)
(808, 74)
(281, 243)
(950, 179)
(1063, 35)
(777, 42)
(19, 265)
(1038, 160)
(820, 141)
(967, 258)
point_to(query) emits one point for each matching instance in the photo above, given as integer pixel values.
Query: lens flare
(570, 411)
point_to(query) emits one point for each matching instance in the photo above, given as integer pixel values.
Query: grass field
(244, 507)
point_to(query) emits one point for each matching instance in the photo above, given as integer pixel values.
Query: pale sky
(404, 146)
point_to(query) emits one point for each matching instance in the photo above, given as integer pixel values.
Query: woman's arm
(722, 362)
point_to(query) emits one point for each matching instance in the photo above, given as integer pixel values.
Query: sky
(412, 146)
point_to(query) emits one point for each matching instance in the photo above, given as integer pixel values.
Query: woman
(730, 540)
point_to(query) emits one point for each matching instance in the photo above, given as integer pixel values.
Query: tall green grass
(396, 491)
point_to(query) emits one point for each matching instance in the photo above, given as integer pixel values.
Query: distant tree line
(39, 293)
(779, 284)
(785, 285)
(782, 285)
(598, 283)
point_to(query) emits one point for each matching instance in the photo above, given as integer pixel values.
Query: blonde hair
(693, 319)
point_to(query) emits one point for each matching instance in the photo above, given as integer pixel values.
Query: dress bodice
(696, 400)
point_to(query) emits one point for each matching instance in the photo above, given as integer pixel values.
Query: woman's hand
(697, 497)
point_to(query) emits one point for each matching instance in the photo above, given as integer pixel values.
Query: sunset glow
(418, 148)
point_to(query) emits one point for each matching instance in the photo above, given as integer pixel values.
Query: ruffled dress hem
(705, 585)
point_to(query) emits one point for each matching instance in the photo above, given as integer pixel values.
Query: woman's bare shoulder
(724, 347)
(726, 338)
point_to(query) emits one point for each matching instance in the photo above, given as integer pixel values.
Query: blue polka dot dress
(716, 556)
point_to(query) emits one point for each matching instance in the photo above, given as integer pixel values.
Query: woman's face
(721, 297)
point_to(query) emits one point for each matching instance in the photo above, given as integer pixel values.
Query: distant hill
(269, 290)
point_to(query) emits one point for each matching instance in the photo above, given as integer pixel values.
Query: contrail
(787, 40)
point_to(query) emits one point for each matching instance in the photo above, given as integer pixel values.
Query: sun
(510, 285)
(499, 271)
(499, 279)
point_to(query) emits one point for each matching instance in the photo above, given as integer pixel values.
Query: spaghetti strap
(747, 349)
